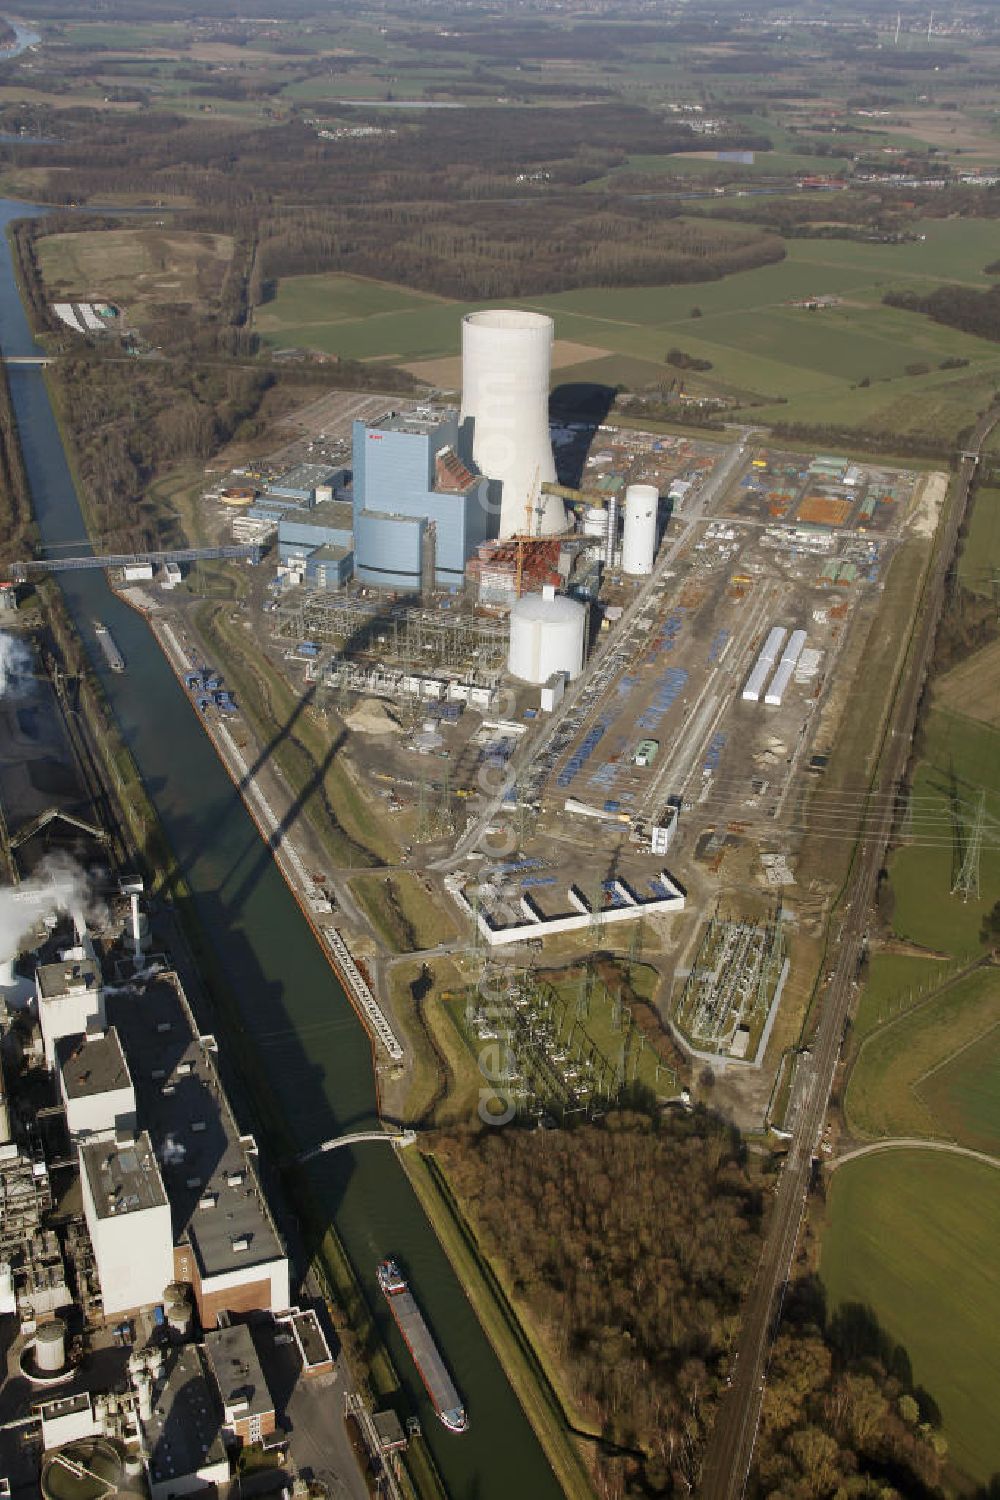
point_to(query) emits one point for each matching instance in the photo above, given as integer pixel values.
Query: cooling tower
(506, 359)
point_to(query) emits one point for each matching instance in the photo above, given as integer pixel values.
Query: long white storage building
(764, 664)
(786, 666)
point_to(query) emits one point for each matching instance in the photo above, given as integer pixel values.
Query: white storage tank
(547, 635)
(50, 1346)
(642, 504)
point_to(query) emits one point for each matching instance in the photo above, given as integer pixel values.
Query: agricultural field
(960, 758)
(973, 687)
(925, 1072)
(913, 1235)
(980, 557)
(801, 365)
(139, 269)
(893, 983)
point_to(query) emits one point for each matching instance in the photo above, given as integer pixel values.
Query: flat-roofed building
(181, 1425)
(95, 1083)
(226, 1243)
(247, 1404)
(128, 1216)
(70, 996)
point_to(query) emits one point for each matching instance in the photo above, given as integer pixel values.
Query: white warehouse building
(548, 635)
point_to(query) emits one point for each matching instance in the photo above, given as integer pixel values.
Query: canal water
(315, 1052)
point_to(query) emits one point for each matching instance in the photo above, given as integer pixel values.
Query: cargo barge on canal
(426, 1355)
(112, 655)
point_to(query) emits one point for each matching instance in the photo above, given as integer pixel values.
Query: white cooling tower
(642, 503)
(547, 635)
(506, 360)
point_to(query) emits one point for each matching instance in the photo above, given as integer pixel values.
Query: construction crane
(533, 508)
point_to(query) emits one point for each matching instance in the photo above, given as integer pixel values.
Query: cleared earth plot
(913, 1234)
(935, 1070)
(137, 268)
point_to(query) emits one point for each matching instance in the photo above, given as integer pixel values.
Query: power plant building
(128, 1216)
(225, 1243)
(95, 1083)
(70, 996)
(419, 511)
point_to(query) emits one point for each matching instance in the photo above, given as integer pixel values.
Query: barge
(426, 1355)
(112, 655)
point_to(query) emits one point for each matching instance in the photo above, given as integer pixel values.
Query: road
(730, 1448)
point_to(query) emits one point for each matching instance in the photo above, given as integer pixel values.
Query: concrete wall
(97, 1113)
(69, 1015)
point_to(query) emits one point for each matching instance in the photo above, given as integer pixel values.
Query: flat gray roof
(123, 1179)
(305, 477)
(67, 976)
(92, 1064)
(337, 514)
(410, 421)
(184, 1432)
(233, 1361)
(211, 1181)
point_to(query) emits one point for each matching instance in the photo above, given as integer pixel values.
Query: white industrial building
(225, 1242)
(70, 996)
(548, 635)
(506, 365)
(128, 1216)
(95, 1083)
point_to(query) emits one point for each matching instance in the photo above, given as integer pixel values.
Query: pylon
(967, 881)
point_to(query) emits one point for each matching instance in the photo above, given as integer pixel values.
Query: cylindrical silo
(642, 502)
(595, 523)
(506, 360)
(50, 1346)
(547, 635)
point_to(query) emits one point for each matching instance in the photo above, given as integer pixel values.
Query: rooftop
(184, 1433)
(418, 423)
(124, 1178)
(233, 1361)
(215, 1197)
(69, 975)
(305, 477)
(336, 514)
(92, 1063)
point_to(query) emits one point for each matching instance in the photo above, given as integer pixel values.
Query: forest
(841, 1415)
(629, 1244)
(960, 307)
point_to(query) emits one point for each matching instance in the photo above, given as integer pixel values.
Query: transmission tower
(967, 882)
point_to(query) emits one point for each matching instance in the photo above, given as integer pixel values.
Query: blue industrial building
(318, 543)
(419, 511)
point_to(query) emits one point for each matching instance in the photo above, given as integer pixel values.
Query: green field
(913, 1234)
(933, 1071)
(981, 550)
(893, 983)
(960, 758)
(805, 366)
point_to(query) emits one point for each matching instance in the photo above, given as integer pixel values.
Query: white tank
(506, 361)
(50, 1346)
(642, 502)
(547, 634)
(595, 522)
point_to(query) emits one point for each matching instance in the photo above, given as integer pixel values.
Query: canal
(314, 1050)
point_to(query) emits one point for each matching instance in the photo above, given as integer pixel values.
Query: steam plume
(15, 663)
(59, 887)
